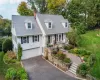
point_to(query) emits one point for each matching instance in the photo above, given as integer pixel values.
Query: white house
(33, 33)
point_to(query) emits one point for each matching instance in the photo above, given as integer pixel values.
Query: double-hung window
(24, 39)
(29, 25)
(50, 25)
(66, 24)
(36, 38)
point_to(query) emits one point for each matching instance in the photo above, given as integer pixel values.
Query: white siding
(31, 44)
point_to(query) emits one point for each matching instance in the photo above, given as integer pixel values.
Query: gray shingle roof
(57, 23)
(19, 23)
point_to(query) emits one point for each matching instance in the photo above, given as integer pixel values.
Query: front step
(73, 68)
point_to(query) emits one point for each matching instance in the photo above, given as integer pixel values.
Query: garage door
(31, 53)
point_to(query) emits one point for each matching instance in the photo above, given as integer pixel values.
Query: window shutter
(21, 40)
(33, 38)
(62, 36)
(38, 38)
(27, 39)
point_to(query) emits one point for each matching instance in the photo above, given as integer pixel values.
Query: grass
(4, 67)
(91, 41)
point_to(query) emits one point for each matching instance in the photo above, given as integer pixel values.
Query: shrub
(10, 57)
(10, 74)
(74, 38)
(73, 50)
(86, 58)
(1, 41)
(67, 60)
(19, 52)
(60, 55)
(13, 74)
(68, 47)
(92, 60)
(22, 74)
(81, 52)
(7, 45)
(82, 69)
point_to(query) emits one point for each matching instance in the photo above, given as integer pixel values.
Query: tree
(56, 6)
(74, 38)
(41, 5)
(7, 45)
(86, 12)
(5, 27)
(19, 52)
(24, 10)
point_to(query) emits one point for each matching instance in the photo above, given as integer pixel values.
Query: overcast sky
(9, 7)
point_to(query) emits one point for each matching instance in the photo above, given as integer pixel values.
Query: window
(66, 24)
(50, 25)
(48, 39)
(36, 38)
(24, 40)
(29, 25)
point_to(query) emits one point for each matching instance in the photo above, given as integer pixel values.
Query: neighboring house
(34, 33)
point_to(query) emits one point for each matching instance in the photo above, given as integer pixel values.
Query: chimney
(35, 14)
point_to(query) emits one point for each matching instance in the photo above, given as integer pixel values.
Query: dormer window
(66, 24)
(29, 26)
(49, 25)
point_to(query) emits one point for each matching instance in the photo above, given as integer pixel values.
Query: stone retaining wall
(56, 62)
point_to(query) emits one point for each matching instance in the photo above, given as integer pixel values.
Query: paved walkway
(73, 57)
(39, 69)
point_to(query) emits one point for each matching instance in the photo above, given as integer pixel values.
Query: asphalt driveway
(38, 69)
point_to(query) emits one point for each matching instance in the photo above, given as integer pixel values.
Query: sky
(9, 8)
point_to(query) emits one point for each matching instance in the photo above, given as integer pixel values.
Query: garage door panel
(31, 53)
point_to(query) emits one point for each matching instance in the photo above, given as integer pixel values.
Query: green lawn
(91, 41)
(4, 67)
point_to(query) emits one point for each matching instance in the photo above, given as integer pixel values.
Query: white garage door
(31, 53)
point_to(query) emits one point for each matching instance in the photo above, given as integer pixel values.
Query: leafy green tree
(41, 5)
(24, 10)
(86, 12)
(74, 38)
(7, 45)
(5, 27)
(56, 6)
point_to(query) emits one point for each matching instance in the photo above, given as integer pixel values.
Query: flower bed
(10, 58)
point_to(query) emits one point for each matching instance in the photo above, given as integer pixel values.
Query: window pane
(24, 40)
(49, 25)
(29, 25)
(66, 24)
